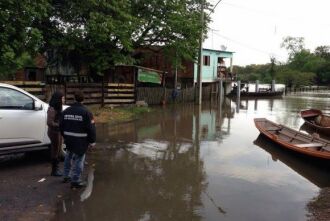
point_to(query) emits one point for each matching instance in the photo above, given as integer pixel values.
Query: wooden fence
(37, 88)
(159, 95)
(102, 93)
(117, 93)
(306, 88)
(92, 93)
(113, 94)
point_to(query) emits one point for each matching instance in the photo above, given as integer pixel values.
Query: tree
(299, 60)
(105, 33)
(272, 67)
(294, 78)
(19, 39)
(322, 69)
(293, 45)
(323, 52)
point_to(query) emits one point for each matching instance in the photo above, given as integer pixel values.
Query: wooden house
(35, 72)
(215, 66)
(132, 74)
(154, 57)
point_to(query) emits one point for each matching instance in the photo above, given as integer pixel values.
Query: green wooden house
(216, 64)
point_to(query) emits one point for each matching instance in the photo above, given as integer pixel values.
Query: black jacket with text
(78, 128)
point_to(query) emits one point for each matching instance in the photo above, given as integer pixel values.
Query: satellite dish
(223, 47)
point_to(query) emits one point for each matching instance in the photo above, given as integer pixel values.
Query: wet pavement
(188, 163)
(27, 191)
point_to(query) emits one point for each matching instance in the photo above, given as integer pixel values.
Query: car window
(12, 99)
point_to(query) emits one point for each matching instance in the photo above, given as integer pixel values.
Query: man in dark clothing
(78, 129)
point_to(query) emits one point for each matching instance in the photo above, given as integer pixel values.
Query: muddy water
(188, 163)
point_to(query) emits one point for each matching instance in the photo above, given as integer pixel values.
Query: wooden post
(238, 102)
(65, 93)
(135, 79)
(273, 85)
(257, 85)
(102, 97)
(200, 59)
(220, 89)
(238, 89)
(164, 91)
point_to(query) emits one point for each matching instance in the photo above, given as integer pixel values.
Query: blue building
(215, 64)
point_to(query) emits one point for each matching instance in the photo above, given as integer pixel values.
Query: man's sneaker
(66, 179)
(78, 184)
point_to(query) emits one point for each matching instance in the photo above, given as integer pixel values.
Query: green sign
(149, 77)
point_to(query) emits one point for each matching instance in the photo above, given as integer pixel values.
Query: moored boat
(316, 119)
(257, 94)
(294, 140)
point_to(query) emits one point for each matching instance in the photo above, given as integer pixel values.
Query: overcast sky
(254, 29)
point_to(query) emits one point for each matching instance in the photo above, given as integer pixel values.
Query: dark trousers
(56, 144)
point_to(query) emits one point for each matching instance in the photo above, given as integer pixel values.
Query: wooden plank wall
(92, 92)
(104, 94)
(36, 88)
(151, 95)
(155, 95)
(119, 93)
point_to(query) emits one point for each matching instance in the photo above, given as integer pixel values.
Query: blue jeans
(77, 163)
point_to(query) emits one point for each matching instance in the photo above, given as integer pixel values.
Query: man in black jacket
(78, 129)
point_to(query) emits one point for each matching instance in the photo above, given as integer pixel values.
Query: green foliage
(105, 33)
(294, 78)
(96, 34)
(303, 67)
(323, 52)
(293, 45)
(306, 61)
(323, 73)
(19, 39)
(272, 70)
(254, 72)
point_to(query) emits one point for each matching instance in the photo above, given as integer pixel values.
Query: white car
(23, 121)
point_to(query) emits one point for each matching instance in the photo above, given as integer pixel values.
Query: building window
(206, 60)
(221, 62)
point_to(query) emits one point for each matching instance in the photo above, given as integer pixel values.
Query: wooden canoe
(316, 119)
(294, 140)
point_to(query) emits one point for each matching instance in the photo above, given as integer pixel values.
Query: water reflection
(246, 103)
(135, 187)
(188, 162)
(313, 170)
(179, 122)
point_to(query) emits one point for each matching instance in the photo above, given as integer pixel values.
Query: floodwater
(185, 162)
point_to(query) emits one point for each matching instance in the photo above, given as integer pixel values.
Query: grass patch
(116, 115)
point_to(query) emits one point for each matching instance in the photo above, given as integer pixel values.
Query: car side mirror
(37, 105)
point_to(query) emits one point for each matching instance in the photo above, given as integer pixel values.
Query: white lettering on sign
(73, 117)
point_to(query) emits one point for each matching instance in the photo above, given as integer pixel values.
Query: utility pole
(176, 70)
(200, 59)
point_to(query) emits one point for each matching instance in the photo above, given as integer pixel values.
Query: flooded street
(185, 162)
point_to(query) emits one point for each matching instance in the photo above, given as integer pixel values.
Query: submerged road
(180, 162)
(28, 192)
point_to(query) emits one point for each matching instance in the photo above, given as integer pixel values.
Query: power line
(215, 6)
(245, 45)
(297, 20)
